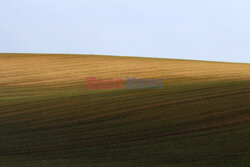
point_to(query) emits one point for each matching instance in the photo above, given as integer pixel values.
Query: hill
(201, 116)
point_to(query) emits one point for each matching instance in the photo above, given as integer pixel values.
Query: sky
(216, 30)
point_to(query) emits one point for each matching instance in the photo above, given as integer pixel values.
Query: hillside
(201, 117)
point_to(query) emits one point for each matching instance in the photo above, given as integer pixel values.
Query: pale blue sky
(216, 30)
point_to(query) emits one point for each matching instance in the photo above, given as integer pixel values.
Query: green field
(201, 117)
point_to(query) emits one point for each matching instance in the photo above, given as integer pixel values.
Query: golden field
(201, 117)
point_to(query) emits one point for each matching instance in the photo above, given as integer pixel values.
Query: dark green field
(201, 117)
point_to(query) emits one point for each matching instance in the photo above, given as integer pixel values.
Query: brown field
(201, 117)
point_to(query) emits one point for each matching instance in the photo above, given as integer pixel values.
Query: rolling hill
(201, 117)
